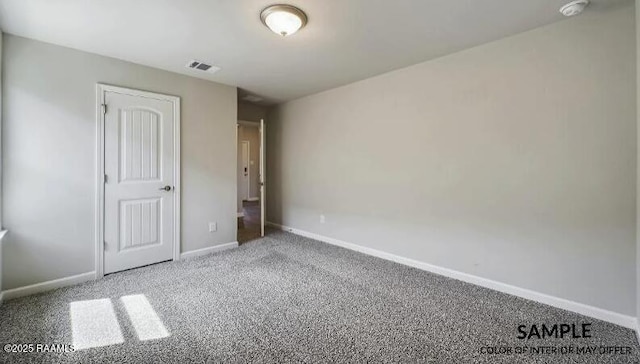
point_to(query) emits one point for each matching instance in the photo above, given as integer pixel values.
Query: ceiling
(344, 41)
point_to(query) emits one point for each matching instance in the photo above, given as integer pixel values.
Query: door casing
(101, 89)
(263, 176)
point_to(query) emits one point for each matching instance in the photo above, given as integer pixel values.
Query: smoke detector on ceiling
(201, 66)
(574, 8)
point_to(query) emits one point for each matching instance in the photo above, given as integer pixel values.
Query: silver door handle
(165, 188)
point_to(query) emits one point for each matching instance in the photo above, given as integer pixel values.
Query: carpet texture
(284, 298)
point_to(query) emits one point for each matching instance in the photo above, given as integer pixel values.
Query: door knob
(165, 188)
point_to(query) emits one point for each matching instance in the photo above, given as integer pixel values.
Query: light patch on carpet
(144, 318)
(94, 324)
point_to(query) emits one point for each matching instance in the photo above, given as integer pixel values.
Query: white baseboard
(594, 312)
(253, 199)
(47, 286)
(84, 277)
(209, 250)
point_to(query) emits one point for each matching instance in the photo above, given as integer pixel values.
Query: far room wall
(49, 156)
(513, 161)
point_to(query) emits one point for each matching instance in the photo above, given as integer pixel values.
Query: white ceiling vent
(201, 66)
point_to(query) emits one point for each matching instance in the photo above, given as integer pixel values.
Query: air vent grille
(201, 66)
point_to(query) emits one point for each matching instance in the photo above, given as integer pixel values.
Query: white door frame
(263, 176)
(101, 89)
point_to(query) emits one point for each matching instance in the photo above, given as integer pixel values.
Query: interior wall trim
(47, 286)
(208, 250)
(583, 309)
(89, 276)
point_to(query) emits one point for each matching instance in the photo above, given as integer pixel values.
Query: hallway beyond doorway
(249, 224)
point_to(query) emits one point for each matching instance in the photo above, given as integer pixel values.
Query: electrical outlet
(213, 227)
(322, 219)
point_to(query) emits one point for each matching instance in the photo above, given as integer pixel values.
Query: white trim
(208, 250)
(177, 172)
(250, 199)
(594, 312)
(47, 286)
(99, 192)
(2, 234)
(89, 276)
(637, 329)
(262, 176)
(241, 214)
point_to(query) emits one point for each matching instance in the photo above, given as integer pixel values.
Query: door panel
(140, 147)
(139, 207)
(140, 223)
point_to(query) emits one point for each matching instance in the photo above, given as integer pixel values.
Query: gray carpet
(284, 298)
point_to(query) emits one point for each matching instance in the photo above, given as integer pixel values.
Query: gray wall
(49, 156)
(514, 161)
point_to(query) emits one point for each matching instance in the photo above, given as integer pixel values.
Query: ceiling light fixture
(574, 8)
(283, 19)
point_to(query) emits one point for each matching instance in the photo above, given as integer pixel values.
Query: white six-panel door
(139, 184)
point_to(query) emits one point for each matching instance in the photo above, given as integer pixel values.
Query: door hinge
(106, 178)
(104, 109)
(105, 245)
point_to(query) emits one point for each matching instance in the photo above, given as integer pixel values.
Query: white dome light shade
(574, 8)
(283, 19)
(283, 23)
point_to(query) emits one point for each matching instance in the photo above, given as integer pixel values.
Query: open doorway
(250, 181)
